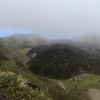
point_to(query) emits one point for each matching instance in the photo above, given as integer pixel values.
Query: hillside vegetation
(62, 61)
(20, 41)
(2, 58)
(55, 70)
(18, 88)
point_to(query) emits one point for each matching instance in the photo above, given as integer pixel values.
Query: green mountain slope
(88, 42)
(20, 41)
(3, 58)
(62, 61)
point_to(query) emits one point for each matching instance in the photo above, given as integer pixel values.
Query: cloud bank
(51, 17)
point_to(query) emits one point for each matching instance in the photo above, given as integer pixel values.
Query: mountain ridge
(20, 41)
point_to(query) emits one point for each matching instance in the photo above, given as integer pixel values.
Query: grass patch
(17, 88)
(19, 54)
(91, 80)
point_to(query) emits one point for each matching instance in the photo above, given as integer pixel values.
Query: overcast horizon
(51, 19)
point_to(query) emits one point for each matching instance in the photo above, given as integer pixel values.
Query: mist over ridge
(50, 18)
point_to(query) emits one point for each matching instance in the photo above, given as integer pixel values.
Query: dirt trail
(94, 94)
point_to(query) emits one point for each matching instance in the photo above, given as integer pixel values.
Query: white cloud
(51, 17)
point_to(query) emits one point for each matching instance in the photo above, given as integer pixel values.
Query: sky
(50, 18)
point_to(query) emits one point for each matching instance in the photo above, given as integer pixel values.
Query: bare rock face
(61, 84)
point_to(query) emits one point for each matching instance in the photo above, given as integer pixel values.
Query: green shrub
(17, 88)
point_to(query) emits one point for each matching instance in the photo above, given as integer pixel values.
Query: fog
(51, 18)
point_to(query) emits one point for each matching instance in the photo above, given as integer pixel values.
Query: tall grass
(17, 88)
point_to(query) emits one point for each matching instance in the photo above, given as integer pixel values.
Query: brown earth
(89, 94)
(93, 93)
(82, 95)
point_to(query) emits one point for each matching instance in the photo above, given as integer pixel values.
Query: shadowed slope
(62, 61)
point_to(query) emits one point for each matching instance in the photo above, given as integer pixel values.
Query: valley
(60, 70)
